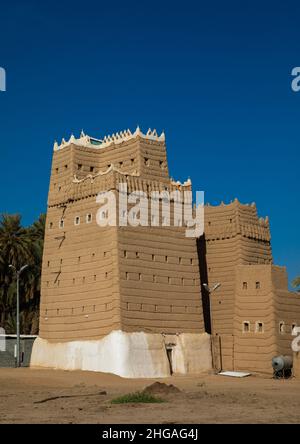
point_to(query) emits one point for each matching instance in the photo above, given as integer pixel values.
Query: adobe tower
(120, 299)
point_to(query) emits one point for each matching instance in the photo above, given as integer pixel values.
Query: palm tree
(32, 285)
(19, 246)
(15, 250)
(296, 283)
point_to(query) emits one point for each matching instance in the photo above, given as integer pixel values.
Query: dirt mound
(160, 388)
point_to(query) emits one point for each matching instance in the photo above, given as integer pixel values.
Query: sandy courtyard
(84, 397)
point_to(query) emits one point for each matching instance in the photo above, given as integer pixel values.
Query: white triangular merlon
(116, 138)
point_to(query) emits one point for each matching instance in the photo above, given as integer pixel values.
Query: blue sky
(216, 76)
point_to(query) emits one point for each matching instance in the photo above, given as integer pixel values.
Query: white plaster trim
(130, 355)
(123, 136)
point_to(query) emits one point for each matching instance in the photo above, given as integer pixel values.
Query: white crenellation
(116, 138)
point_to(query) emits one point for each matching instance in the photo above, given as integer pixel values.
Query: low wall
(7, 350)
(130, 355)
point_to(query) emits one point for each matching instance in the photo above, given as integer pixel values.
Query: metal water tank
(282, 363)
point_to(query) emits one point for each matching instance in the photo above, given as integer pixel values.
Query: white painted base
(130, 355)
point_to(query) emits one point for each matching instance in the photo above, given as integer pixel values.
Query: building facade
(130, 299)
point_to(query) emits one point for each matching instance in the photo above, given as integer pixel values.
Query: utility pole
(18, 273)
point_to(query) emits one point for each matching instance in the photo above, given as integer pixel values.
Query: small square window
(92, 169)
(56, 169)
(66, 167)
(88, 218)
(146, 161)
(132, 161)
(292, 327)
(61, 223)
(245, 285)
(51, 225)
(77, 220)
(281, 328)
(257, 285)
(79, 166)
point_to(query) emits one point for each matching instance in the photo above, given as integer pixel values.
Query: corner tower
(121, 299)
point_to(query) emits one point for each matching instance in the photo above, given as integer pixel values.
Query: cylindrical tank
(281, 362)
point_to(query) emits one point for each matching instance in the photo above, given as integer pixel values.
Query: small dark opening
(169, 356)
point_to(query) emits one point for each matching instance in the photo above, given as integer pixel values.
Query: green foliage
(18, 246)
(137, 397)
(296, 283)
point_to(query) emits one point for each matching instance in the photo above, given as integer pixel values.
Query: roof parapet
(116, 138)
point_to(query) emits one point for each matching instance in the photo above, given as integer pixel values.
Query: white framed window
(246, 327)
(77, 220)
(61, 223)
(294, 324)
(281, 327)
(89, 218)
(259, 327)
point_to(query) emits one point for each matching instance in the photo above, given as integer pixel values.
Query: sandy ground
(84, 397)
